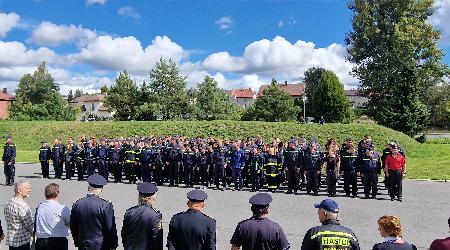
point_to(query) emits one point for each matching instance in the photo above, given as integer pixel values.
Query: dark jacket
(394, 246)
(92, 224)
(142, 228)
(191, 230)
(45, 153)
(9, 152)
(330, 235)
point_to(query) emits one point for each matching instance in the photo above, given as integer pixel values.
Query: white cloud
(91, 2)
(280, 23)
(224, 22)
(128, 11)
(280, 59)
(16, 54)
(127, 53)
(441, 19)
(50, 34)
(8, 22)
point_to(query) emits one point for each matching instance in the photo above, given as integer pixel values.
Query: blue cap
(328, 205)
(197, 195)
(260, 199)
(147, 188)
(96, 181)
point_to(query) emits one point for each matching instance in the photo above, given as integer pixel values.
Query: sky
(241, 43)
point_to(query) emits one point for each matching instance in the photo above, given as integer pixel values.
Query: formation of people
(91, 223)
(252, 163)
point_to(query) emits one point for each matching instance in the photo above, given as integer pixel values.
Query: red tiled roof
(241, 93)
(6, 97)
(351, 92)
(293, 89)
(89, 98)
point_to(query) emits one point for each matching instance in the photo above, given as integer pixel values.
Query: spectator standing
(441, 244)
(52, 221)
(395, 168)
(19, 218)
(391, 229)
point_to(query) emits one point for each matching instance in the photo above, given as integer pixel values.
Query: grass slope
(425, 160)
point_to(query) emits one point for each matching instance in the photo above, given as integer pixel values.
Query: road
(423, 213)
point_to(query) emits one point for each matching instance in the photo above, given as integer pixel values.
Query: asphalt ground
(423, 212)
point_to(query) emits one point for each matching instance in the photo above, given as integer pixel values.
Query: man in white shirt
(52, 221)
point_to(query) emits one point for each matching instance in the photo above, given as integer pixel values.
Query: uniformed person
(92, 220)
(192, 229)
(329, 235)
(9, 159)
(258, 232)
(272, 170)
(90, 156)
(349, 167)
(142, 226)
(332, 166)
(291, 164)
(79, 156)
(58, 158)
(371, 169)
(45, 154)
(103, 158)
(116, 159)
(313, 165)
(146, 159)
(219, 161)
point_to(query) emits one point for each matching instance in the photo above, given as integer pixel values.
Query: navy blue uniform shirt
(142, 228)
(191, 230)
(259, 234)
(92, 224)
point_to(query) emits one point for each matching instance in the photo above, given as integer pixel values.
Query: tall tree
(104, 89)
(212, 103)
(70, 96)
(437, 98)
(326, 96)
(122, 97)
(147, 108)
(169, 90)
(274, 106)
(37, 98)
(78, 93)
(397, 58)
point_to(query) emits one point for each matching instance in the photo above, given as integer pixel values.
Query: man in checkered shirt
(19, 218)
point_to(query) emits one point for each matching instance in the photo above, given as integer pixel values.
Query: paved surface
(423, 212)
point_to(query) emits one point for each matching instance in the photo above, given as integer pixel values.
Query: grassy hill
(424, 160)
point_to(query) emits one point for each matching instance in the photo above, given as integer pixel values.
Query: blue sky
(240, 43)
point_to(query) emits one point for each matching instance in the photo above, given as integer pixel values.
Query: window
(92, 107)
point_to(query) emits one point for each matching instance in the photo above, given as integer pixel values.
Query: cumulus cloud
(281, 59)
(224, 22)
(128, 11)
(91, 2)
(127, 53)
(441, 19)
(8, 22)
(17, 54)
(50, 34)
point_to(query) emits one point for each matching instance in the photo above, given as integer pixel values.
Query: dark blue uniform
(102, 159)
(146, 166)
(371, 167)
(219, 159)
(191, 230)
(142, 228)
(291, 162)
(58, 159)
(259, 234)
(92, 224)
(313, 164)
(45, 154)
(9, 159)
(116, 159)
(330, 235)
(349, 166)
(90, 157)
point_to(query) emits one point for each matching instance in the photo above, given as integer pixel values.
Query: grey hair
(19, 184)
(330, 215)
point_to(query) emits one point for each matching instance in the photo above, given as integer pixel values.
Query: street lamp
(304, 99)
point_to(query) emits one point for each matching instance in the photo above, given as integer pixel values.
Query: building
(242, 97)
(5, 100)
(90, 106)
(356, 100)
(295, 90)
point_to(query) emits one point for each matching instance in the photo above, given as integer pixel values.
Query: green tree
(104, 89)
(37, 98)
(437, 98)
(275, 106)
(326, 96)
(70, 96)
(122, 97)
(397, 58)
(212, 103)
(147, 108)
(78, 93)
(169, 90)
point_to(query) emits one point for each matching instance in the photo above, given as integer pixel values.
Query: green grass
(430, 161)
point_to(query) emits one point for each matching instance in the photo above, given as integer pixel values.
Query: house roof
(89, 98)
(6, 97)
(103, 108)
(293, 89)
(351, 92)
(241, 93)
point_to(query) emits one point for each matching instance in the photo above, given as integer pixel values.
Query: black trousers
(56, 243)
(173, 173)
(90, 167)
(45, 169)
(57, 166)
(79, 165)
(395, 183)
(220, 176)
(69, 169)
(188, 175)
(350, 181)
(23, 247)
(331, 181)
(204, 177)
(256, 179)
(312, 181)
(292, 178)
(10, 172)
(370, 182)
(117, 170)
(103, 168)
(159, 174)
